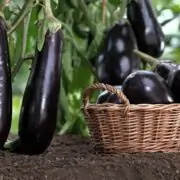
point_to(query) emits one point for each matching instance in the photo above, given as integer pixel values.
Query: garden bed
(71, 157)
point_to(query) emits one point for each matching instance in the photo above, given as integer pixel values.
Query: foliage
(79, 19)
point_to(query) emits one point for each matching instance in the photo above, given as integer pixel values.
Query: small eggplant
(107, 97)
(174, 83)
(148, 32)
(164, 69)
(146, 87)
(116, 59)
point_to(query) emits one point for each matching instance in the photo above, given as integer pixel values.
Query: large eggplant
(5, 85)
(116, 60)
(38, 115)
(148, 32)
(146, 87)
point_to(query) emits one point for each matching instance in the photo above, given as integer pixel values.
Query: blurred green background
(76, 70)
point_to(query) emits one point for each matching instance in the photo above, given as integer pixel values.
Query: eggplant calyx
(53, 23)
(12, 145)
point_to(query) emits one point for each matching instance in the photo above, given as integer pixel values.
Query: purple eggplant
(38, 115)
(148, 31)
(174, 83)
(116, 59)
(5, 85)
(108, 97)
(146, 87)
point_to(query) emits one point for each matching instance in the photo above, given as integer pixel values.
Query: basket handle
(100, 86)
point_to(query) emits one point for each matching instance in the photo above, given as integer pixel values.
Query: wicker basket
(116, 128)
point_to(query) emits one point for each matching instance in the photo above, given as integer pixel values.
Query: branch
(104, 11)
(89, 21)
(146, 58)
(48, 10)
(123, 8)
(25, 10)
(168, 20)
(23, 50)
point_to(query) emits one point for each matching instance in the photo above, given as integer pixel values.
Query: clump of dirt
(72, 158)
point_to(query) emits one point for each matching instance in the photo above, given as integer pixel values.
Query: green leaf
(67, 61)
(64, 101)
(176, 8)
(115, 2)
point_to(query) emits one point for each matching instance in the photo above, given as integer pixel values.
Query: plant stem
(25, 10)
(147, 58)
(28, 57)
(48, 10)
(123, 8)
(104, 11)
(3, 4)
(23, 50)
(85, 11)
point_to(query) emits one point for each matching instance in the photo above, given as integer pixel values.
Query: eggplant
(164, 69)
(116, 60)
(146, 87)
(148, 32)
(38, 115)
(103, 97)
(5, 85)
(108, 97)
(174, 83)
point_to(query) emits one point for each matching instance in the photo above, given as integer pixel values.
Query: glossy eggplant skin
(116, 59)
(145, 87)
(164, 69)
(107, 97)
(174, 83)
(148, 32)
(39, 107)
(5, 85)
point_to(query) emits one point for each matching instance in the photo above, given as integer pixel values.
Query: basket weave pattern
(131, 128)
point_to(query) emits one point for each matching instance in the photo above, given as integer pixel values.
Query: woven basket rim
(125, 102)
(149, 107)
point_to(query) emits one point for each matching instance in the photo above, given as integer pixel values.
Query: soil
(72, 158)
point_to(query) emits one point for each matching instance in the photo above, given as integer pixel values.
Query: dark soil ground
(71, 158)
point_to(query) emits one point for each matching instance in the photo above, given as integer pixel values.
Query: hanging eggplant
(116, 60)
(148, 32)
(38, 115)
(5, 85)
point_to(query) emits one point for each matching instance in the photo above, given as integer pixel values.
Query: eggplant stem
(23, 48)
(146, 58)
(48, 10)
(123, 8)
(104, 11)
